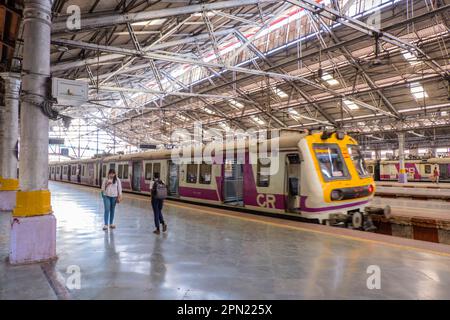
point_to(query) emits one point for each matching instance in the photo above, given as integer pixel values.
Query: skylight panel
(258, 120)
(329, 79)
(181, 117)
(351, 105)
(153, 22)
(280, 92)
(293, 112)
(418, 91)
(209, 111)
(236, 104)
(411, 58)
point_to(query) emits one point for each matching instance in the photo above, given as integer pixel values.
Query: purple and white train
(417, 170)
(320, 176)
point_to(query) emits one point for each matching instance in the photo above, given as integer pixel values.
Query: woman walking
(112, 194)
(436, 175)
(158, 194)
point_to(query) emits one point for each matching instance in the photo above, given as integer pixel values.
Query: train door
(443, 172)
(136, 176)
(79, 173)
(102, 173)
(173, 178)
(293, 173)
(377, 171)
(233, 182)
(69, 172)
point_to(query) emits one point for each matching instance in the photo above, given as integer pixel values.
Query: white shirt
(112, 190)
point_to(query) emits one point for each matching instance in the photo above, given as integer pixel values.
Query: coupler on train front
(355, 219)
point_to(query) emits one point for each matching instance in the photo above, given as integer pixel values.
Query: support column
(402, 176)
(9, 136)
(33, 226)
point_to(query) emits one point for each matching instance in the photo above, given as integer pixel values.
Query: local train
(417, 170)
(319, 175)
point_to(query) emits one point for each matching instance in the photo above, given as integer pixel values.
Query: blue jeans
(110, 207)
(157, 205)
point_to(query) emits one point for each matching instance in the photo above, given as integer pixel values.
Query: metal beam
(252, 47)
(118, 55)
(363, 27)
(210, 65)
(88, 22)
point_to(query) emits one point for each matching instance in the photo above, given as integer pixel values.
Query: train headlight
(371, 189)
(337, 195)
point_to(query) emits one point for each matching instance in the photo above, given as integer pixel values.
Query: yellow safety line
(354, 238)
(401, 246)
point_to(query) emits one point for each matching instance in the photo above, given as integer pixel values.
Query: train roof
(439, 160)
(285, 141)
(288, 139)
(406, 160)
(430, 160)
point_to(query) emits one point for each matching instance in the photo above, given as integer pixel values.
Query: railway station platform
(416, 191)
(423, 185)
(211, 253)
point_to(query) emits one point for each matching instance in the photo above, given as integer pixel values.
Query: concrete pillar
(9, 136)
(402, 176)
(33, 226)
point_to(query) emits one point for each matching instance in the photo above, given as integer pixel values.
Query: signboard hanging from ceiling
(147, 146)
(69, 92)
(57, 141)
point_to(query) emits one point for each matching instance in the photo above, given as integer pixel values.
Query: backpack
(160, 190)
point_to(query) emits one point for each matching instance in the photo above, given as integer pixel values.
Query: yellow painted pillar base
(32, 203)
(9, 184)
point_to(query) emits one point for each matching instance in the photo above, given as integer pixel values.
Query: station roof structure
(371, 67)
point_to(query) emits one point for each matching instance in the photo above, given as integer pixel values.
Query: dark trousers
(157, 205)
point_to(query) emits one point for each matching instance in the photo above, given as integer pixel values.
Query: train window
(191, 176)
(148, 171)
(74, 170)
(205, 173)
(156, 170)
(370, 169)
(125, 171)
(358, 160)
(65, 170)
(82, 170)
(428, 169)
(112, 166)
(331, 161)
(263, 172)
(104, 171)
(120, 171)
(58, 170)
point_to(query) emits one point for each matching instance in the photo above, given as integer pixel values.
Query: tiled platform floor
(208, 256)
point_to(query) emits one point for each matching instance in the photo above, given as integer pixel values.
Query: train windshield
(358, 160)
(331, 162)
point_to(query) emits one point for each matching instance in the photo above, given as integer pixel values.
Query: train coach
(319, 176)
(417, 170)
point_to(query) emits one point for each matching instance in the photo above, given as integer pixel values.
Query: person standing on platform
(436, 175)
(158, 194)
(112, 194)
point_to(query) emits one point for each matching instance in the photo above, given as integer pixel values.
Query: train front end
(336, 185)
